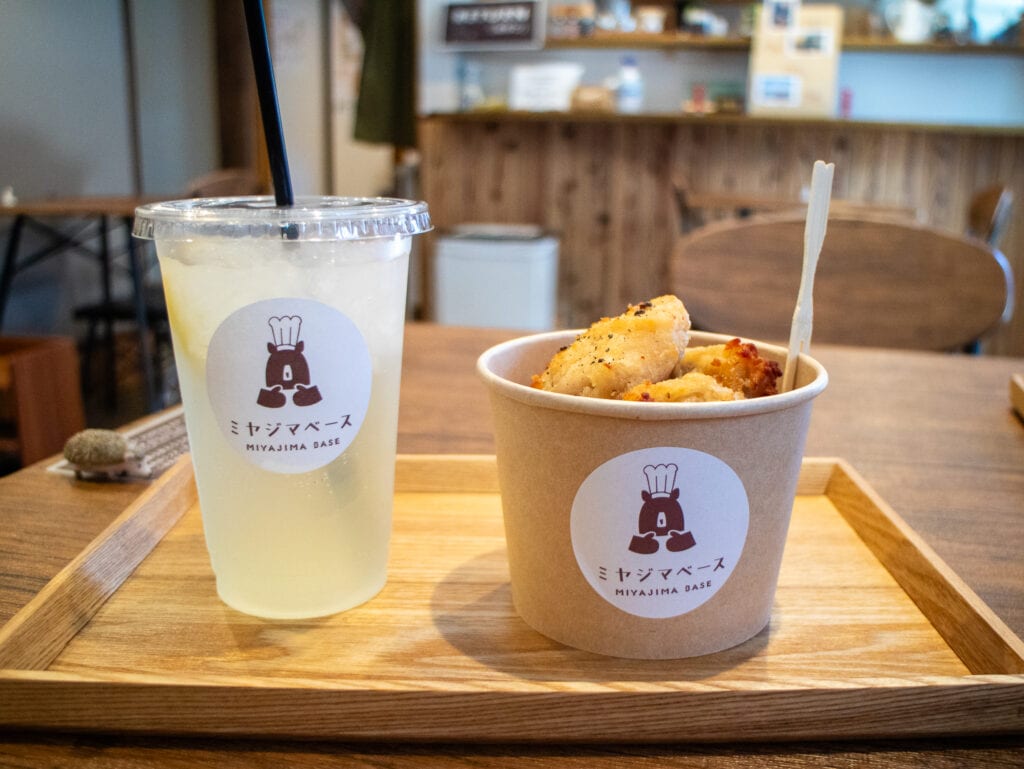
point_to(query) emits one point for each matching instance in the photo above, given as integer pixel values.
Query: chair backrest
(989, 213)
(697, 208)
(225, 182)
(879, 282)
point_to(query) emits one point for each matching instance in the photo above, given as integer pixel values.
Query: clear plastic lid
(311, 218)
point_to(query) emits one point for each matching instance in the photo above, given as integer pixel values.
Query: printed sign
(658, 532)
(776, 90)
(289, 383)
(794, 59)
(493, 25)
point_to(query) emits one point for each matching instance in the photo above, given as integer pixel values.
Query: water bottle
(471, 91)
(631, 87)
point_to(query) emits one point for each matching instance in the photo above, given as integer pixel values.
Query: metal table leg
(10, 263)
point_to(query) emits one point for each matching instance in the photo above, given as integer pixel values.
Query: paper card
(543, 87)
(794, 60)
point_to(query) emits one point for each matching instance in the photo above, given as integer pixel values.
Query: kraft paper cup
(644, 530)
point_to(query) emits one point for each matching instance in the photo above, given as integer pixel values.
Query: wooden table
(99, 215)
(933, 434)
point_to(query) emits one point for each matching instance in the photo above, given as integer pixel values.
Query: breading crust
(689, 388)
(642, 355)
(735, 364)
(615, 354)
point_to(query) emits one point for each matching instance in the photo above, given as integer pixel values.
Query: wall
(174, 44)
(298, 41)
(960, 89)
(65, 127)
(359, 168)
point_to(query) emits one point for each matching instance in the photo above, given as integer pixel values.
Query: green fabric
(386, 111)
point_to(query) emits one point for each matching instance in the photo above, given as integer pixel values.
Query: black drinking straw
(269, 109)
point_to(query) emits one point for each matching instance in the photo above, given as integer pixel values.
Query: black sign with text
(491, 23)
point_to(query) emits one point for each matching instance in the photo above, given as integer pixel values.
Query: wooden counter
(672, 40)
(604, 183)
(719, 119)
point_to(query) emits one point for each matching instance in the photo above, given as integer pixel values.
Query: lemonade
(289, 358)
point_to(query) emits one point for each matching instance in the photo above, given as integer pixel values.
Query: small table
(101, 213)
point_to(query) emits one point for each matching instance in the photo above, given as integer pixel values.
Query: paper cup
(644, 530)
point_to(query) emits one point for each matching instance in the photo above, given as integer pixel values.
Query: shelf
(656, 118)
(684, 41)
(668, 40)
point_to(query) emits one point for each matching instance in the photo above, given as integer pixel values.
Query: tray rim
(38, 698)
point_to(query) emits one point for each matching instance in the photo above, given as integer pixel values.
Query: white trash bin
(496, 275)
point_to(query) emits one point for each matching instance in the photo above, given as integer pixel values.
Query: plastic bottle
(631, 86)
(471, 91)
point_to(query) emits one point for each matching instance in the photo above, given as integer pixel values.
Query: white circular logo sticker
(657, 532)
(289, 383)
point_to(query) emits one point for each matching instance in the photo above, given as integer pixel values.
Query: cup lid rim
(313, 217)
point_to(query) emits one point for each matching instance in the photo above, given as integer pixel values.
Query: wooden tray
(872, 635)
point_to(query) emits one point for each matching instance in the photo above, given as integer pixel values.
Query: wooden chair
(989, 213)
(879, 282)
(695, 209)
(690, 216)
(40, 398)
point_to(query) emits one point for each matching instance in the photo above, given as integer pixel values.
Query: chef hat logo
(661, 479)
(285, 331)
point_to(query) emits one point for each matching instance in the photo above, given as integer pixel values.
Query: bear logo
(287, 370)
(661, 517)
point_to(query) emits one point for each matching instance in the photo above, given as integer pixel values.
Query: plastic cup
(287, 326)
(644, 530)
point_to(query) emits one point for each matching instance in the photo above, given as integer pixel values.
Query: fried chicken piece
(735, 364)
(689, 388)
(614, 354)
